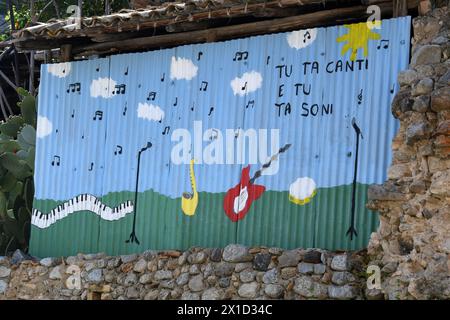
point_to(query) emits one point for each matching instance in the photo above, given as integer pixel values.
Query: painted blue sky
(323, 145)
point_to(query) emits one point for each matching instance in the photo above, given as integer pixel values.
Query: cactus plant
(17, 151)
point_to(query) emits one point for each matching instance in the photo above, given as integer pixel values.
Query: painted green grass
(272, 221)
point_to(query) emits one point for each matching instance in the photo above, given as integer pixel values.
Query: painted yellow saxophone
(189, 201)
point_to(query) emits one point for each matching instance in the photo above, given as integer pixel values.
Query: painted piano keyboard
(83, 202)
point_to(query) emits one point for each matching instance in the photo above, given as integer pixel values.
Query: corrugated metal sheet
(104, 162)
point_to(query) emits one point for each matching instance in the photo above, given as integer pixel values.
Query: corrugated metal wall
(241, 84)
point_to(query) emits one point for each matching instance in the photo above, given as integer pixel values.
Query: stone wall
(236, 272)
(412, 244)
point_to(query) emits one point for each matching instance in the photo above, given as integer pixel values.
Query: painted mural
(269, 140)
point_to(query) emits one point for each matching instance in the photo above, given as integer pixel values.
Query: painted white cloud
(302, 38)
(181, 68)
(302, 188)
(59, 70)
(150, 112)
(44, 127)
(249, 82)
(102, 87)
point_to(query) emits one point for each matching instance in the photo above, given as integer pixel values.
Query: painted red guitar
(239, 199)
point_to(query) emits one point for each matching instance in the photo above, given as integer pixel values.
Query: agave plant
(17, 151)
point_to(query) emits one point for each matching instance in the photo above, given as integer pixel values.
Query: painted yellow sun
(357, 37)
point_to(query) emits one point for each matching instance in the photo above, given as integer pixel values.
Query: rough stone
(427, 54)
(248, 290)
(305, 268)
(224, 282)
(306, 287)
(261, 261)
(247, 275)
(421, 104)
(224, 269)
(145, 278)
(342, 277)
(339, 262)
(196, 283)
(312, 256)
(417, 131)
(19, 256)
(289, 258)
(236, 253)
(319, 268)
(407, 77)
(140, 266)
(3, 286)
(132, 293)
(95, 276)
(216, 255)
(183, 279)
(402, 103)
(274, 291)
(56, 273)
(440, 99)
(212, 294)
(190, 296)
(4, 272)
(271, 276)
(129, 258)
(423, 87)
(130, 279)
(242, 266)
(152, 295)
(440, 184)
(49, 262)
(163, 275)
(342, 292)
(197, 258)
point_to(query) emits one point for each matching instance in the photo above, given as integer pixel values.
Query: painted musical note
(166, 130)
(163, 77)
(306, 36)
(250, 103)
(244, 87)
(74, 87)
(126, 72)
(210, 111)
(124, 112)
(199, 55)
(119, 89)
(91, 167)
(98, 115)
(204, 86)
(240, 55)
(214, 134)
(118, 150)
(73, 113)
(267, 60)
(56, 161)
(193, 105)
(393, 88)
(176, 102)
(151, 95)
(360, 96)
(384, 43)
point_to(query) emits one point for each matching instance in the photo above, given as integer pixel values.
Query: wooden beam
(400, 8)
(318, 18)
(66, 53)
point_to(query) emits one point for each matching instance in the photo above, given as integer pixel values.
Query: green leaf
(9, 146)
(28, 110)
(31, 157)
(22, 92)
(13, 228)
(3, 205)
(15, 195)
(28, 133)
(17, 167)
(12, 126)
(7, 182)
(22, 143)
(24, 216)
